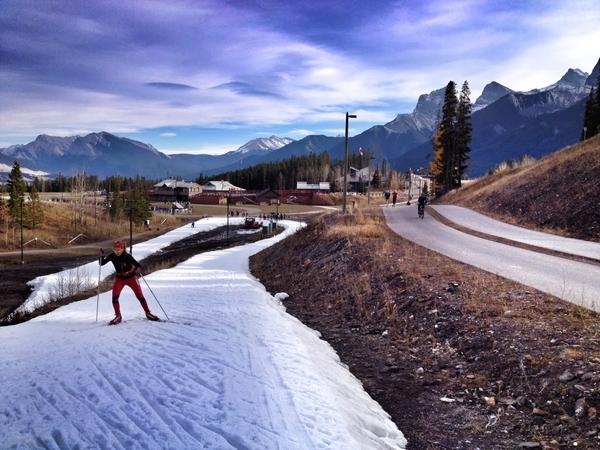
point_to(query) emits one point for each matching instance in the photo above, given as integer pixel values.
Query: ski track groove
(106, 424)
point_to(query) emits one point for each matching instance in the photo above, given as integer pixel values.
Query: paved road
(484, 224)
(573, 281)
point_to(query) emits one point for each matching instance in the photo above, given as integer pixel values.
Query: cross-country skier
(127, 272)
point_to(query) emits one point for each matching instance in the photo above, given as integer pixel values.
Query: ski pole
(98, 286)
(154, 295)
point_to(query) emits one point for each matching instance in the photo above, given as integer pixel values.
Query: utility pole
(348, 116)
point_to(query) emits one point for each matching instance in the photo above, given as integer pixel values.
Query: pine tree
(448, 137)
(139, 204)
(376, 180)
(33, 209)
(2, 208)
(115, 204)
(16, 193)
(590, 118)
(596, 113)
(463, 133)
(436, 167)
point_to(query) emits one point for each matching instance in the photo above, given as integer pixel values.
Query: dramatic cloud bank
(185, 67)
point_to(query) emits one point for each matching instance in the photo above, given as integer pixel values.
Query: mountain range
(506, 125)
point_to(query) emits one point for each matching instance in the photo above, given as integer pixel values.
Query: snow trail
(232, 370)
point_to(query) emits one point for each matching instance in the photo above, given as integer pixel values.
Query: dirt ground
(460, 358)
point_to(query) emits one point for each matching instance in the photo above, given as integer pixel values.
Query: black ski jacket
(125, 265)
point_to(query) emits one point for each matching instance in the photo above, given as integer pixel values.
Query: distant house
(170, 190)
(220, 185)
(357, 178)
(178, 208)
(321, 186)
(268, 196)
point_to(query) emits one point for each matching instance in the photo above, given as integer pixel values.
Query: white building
(321, 186)
(175, 190)
(220, 185)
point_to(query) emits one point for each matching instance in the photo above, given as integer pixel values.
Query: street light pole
(348, 116)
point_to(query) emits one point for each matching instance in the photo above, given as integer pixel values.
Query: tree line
(312, 168)
(124, 196)
(591, 117)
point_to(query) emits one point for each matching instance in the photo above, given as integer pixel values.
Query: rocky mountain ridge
(506, 124)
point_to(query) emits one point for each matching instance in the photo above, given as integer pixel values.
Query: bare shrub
(68, 284)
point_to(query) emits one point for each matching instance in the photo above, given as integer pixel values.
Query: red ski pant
(134, 284)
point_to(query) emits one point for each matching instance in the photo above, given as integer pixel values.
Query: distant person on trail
(386, 194)
(127, 272)
(394, 197)
(422, 201)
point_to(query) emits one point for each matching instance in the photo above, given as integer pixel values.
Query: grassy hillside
(559, 193)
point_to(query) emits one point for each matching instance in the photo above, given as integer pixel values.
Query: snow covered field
(232, 370)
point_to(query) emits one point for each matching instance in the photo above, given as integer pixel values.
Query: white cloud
(202, 149)
(168, 134)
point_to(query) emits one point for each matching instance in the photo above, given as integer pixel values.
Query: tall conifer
(448, 136)
(436, 167)
(34, 210)
(16, 193)
(463, 133)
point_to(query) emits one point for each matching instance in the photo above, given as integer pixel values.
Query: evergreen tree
(448, 137)
(436, 167)
(139, 204)
(463, 133)
(2, 209)
(16, 193)
(597, 113)
(590, 118)
(376, 180)
(115, 204)
(33, 209)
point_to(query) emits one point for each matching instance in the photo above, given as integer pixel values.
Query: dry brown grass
(358, 225)
(559, 193)
(59, 227)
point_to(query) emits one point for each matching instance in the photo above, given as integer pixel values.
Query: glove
(138, 272)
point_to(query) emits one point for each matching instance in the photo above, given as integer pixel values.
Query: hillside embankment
(460, 358)
(559, 194)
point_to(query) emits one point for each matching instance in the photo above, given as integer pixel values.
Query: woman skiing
(127, 272)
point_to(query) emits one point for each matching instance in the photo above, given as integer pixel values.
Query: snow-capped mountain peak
(264, 145)
(572, 81)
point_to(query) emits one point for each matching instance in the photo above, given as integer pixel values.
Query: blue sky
(200, 76)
